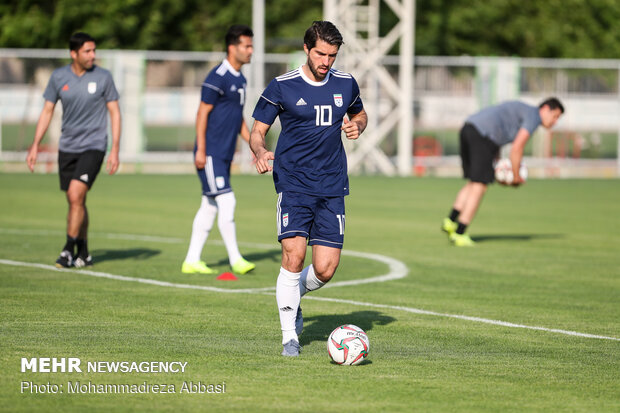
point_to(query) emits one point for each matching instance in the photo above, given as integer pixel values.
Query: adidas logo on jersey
(301, 102)
(84, 178)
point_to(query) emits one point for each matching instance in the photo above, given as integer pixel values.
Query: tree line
(553, 28)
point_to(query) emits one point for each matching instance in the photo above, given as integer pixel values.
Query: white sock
(308, 281)
(226, 223)
(203, 222)
(287, 297)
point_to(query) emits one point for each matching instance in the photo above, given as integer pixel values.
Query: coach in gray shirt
(88, 94)
(480, 139)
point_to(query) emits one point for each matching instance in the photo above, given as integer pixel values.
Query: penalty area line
(269, 291)
(397, 269)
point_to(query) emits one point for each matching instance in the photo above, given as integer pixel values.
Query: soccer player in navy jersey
(315, 104)
(218, 123)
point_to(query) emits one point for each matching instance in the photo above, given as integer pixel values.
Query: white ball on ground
(348, 345)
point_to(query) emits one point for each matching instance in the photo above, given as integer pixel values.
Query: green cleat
(448, 226)
(461, 240)
(199, 267)
(241, 266)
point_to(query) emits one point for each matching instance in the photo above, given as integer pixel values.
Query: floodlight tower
(388, 102)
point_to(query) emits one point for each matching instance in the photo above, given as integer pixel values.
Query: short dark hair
(77, 40)
(235, 32)
(553, 103)
(325, 31)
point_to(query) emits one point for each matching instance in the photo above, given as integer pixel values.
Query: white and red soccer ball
(503, 171)
(348, 345)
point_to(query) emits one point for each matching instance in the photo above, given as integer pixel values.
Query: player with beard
(219, 122)
(315, 104)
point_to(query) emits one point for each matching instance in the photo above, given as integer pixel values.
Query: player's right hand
(200, 160)
(517, 181)
(31, 158)
(262, 162)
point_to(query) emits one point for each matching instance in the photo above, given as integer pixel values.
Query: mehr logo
(338, 99)
(285, 219)
(51, 365)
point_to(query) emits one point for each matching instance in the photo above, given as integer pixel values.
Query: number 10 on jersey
(323, 115)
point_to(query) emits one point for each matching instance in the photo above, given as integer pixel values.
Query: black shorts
(477, 155)
(83, 166)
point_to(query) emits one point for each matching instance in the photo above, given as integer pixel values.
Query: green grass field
(547, 256)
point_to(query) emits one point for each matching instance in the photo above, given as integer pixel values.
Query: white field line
(325, 299)
(397, 269)
(461, 317)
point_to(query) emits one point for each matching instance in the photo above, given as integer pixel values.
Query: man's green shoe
(199, 267)
(449, 226)
(241, 266)
(461, 240)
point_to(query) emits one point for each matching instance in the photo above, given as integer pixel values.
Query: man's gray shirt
(85, 114)
(501, 123)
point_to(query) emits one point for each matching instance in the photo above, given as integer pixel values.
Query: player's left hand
(112, 164)
(351, 129)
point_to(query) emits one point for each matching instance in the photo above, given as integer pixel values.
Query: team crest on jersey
(233, 88)
(92, 87)
(338, 99)
(285, 220)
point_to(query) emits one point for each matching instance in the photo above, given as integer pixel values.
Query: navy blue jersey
(309, 156)
(224, 88)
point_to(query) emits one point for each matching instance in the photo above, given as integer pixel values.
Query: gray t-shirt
(84, 99)
(501, 123)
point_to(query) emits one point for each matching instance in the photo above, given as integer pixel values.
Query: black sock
(70, 245)
(454, 214)
(461, 229)
(82, 248)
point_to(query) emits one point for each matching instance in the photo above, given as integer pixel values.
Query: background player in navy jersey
(309, 168)
(218, 123)
(88, 94)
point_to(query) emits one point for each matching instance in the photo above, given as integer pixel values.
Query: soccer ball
(348, 345)
(503, 171)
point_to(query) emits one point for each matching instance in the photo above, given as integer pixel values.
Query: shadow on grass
(515, 237)
(318, 328)
(124, 254)
(272, 255)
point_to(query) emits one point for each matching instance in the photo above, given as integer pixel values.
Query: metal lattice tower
(388, 102)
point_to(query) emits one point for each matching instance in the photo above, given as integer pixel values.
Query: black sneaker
(81, 262)
(65, 260)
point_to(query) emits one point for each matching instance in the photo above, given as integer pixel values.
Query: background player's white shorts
(319, 219)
